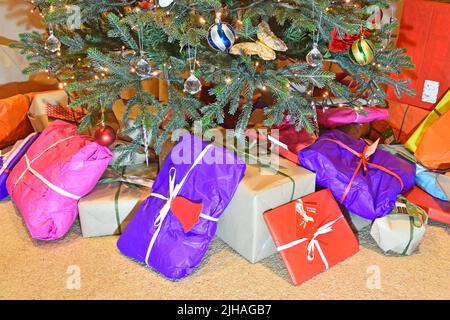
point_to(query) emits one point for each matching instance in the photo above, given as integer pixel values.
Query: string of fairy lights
(102, 72)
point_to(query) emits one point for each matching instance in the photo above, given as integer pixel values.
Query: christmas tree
(97, 49)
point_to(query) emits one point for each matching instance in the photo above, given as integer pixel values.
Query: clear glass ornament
(192, 84)
(143, 68)
(314, 57)
(52, 43)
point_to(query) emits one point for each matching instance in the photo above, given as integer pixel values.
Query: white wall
(15, 18)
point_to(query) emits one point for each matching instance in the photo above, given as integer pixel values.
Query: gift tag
(430, 91)
(304, 218)
(186, 211)
(370, 150)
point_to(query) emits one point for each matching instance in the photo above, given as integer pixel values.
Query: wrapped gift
(59, 168)
(426, 179)
(311, 235)
(138, 157)
(400, 125)
(357, 223)
(444, 183)
(9, 160)
(401, 230)
(37, 112)
(441, 108)
(437, 209)
(14, 124)
(356, 130)
(109, 208)
(424, 34)
(49, 106)
(365, 180)
(380, 130)
(242, 226)
(434, 148)
(284, 139)
(173, 227)
(335, 117)
(294, 140)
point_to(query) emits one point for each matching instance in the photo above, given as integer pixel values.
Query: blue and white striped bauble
(221, 36)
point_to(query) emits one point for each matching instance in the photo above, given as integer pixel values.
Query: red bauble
(147, 5)
(105, 136)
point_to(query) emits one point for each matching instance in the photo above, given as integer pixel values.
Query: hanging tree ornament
(192, 85)
(221, 35)
(105, 135)
(362, 51)
(142, 67)
(316, 121)
(315, 57)
(52, 43)
(165, 3)
(146, 143)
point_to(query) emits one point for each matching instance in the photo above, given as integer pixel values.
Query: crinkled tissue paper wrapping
(373, 193)
(74, 165)
(176, 253)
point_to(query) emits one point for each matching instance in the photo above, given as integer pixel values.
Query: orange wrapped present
(403, 120)
(438, 210)
(311, 235)
(434, 148)
(14, 124)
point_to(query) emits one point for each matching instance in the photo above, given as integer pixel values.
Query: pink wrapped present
(335, 117)
(59, 168)
(293, 139)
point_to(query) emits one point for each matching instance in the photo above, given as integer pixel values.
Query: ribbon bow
(173, 192)
(313, 243)
(364, 162)
(174, 189)
(364, 158)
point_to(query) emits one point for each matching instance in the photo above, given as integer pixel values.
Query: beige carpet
(36, 270)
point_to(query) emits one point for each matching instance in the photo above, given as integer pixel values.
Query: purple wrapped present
(9, 160)
(365, 180)
(172, 229)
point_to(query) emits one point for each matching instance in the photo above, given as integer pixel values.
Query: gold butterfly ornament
(264, 47)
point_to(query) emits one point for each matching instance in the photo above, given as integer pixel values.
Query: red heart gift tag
(186, 211)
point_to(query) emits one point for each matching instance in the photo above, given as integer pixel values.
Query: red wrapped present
(424, 34)
(438, 210)
(311, 235)
(66, 113)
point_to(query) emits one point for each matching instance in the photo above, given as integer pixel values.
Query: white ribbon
(174, 189)
(313, 243)
(42, 178)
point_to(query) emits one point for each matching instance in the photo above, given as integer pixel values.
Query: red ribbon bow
(364, 162)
